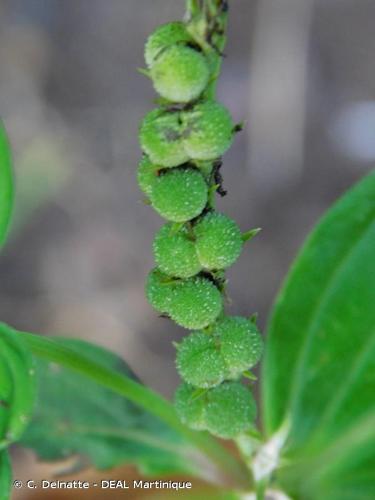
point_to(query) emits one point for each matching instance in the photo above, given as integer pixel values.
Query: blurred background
(300, 73)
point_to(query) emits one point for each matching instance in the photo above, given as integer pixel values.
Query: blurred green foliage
(319, 369)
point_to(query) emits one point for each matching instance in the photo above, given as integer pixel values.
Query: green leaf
(75, 416)
(17, 388)
(6, 185)
(5, 476)
(344, 470)
(319, 368)
(125, 387)
(249, 235)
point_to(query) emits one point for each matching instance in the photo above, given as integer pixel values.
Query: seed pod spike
(184, 141)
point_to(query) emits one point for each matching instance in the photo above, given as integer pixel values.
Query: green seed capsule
(218, 241)
(175, 252)
(160, 138)
(165, 36)
(205, 360)
(199, 361)
(189, 407)
(180, 74)
(146, 175)
(230, 410)
(179, 195)
(159, 290)
(208, 131)
(196, 303)
(241, 344)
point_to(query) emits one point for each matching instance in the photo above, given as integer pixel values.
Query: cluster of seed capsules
(183, 141)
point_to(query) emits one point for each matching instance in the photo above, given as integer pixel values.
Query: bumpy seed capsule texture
(196, 303)
(165, 36)
(208, 131)
(241, 344)
(160, 138)
(190, 407)
(218, 241)
(175, 252)
(180, 74)
(146, 175)
(230, 410)
(199, 361)
(179, 195)
(159, 290)
(180, 145)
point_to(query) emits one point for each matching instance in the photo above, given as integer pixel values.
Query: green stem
(47, 348)
(207, 21)
(5, 475)
(6, 185)
(192, 8)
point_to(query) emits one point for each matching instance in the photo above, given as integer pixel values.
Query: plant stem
(207, 21)
(47, 348)
(6, 185)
